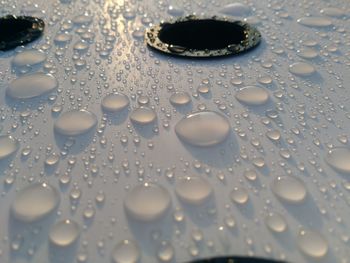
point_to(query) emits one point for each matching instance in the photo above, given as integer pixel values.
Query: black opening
(16, 31)
(10, 28)
(206, 34)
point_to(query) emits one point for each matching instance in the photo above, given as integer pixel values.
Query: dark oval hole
(203, 37)
(236, 259)
(16, 31)
(202, 34)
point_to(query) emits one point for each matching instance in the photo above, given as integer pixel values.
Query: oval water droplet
(115, 102)
(180, 98)
(333, 11)
(236, 9)
(193, 190)
(28, 58)
(64, 233)
(126, 251)
(147, 202)
(302, 69)
(312, 244)
(289, 189)
(205, 128)
(276, 222)
(143, 115)
(252, 95)
(35, 202)
(315, 21)
(75, 122)
(32, 85)
(339, 159)
(8, 146)
(239, 195)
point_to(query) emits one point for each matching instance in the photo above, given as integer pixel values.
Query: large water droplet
(64, 233)
(32, 85)
(315, 21)
(165, 252)
(147, 202)
(28, 58)
(34, 202)
(8, 146)
(339, 159)
(126, 251)
(193, 190)
(312, 244)
(143, 115)
(204, 128)
(115, 102)
(302, 69)
(75, 122)
(289, 189)
(252, 95)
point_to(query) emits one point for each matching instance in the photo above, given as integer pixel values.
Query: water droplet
(175, 11)
(143, 115)
(8, 146)
(252, 95)
(115, 102)
(32, 85)
(28, 58)
(147, 202)
(312, 244)
(333, 11)
(315, 21)
(236, 9)
(165, 252)
(302, 69)
(193, 190)
(126, 251)
(34, 202)
(307, 53)
(276, 222)
(289, 189)
(64, 233)
(239, 195)
(339, 159)
(180, 98)
(75, 122)
(204, 128)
